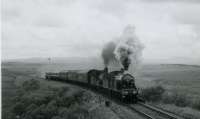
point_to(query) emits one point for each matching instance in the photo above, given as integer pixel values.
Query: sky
(169, 29)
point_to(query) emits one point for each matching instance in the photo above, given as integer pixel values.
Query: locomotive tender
(118, 85)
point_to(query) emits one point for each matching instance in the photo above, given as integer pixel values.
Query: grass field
(22, 98)
(183, 79)
(181, 84)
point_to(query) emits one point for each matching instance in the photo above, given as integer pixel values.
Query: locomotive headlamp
(125, 92)
(134, 91)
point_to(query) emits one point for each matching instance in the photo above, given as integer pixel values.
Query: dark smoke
(126, 50)
(108, 53)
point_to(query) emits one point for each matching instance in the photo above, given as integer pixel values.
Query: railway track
(151, 112)
(145, 115)
(145, 110)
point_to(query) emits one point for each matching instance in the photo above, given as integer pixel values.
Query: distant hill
(181, 65)
(72, 62)
(95, 62)
(53, 60)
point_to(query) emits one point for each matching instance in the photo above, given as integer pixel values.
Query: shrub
(79, 96)
(31, 107)
(196, 104)
(31, 85)
(78, 113)
(63, 111)
(7, 114)
(62, 91)
(180, 100)
(57, 117)
(27, 117)
(48, 103)
(50, 110)
(176, 98)
(153, 93)
(38, 113)
(19, 108)
(168, 98)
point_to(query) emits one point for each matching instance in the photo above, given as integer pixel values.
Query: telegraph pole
(49, 60)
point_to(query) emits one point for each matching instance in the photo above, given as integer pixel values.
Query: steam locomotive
(118, 85)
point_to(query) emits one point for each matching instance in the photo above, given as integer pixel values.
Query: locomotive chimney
(106, 69)
(122, 70)
(126, 63)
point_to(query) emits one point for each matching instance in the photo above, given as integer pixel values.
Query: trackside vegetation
(159, 94)
(33, 101)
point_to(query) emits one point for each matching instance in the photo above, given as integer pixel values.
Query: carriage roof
(74, 71)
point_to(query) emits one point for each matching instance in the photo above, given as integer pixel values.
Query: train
(118, 85)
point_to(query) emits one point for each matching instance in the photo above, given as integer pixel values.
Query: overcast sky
(169, 29)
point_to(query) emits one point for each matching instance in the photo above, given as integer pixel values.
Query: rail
(166, 114)
(133, 107)
(140, 112)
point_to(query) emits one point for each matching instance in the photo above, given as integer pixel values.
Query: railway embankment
(37, 98)
(91, 105)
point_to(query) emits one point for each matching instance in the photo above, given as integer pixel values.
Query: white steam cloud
(125, 50)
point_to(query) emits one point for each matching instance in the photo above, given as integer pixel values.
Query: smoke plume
(126, 50)
(108, 53)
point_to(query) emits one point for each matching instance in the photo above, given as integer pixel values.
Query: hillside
(182, 80)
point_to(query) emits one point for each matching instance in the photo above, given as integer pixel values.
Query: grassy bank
(177, 102)
(26, 95)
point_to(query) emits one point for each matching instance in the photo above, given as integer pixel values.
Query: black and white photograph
(100, 59)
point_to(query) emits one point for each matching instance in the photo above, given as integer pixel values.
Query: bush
(167, 98)
(37, 113)
(79, 96)
(7, 114)
(31, 85)
(78, 113)
(153, 93)
(48, 103)
(196, 104)
(31, 107)
(57, 117)
(19, 108)
(158, 93)
(180, 100)
(62, 91)
(51, 107)
(63, 111)
(174, 98)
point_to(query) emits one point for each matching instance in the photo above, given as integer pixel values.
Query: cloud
(169, 30)
(187, 14)
(180, 1)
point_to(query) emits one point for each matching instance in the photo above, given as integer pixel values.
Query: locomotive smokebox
(126, 62)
